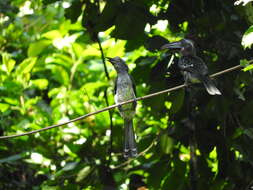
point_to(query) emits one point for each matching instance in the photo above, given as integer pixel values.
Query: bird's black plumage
(193, 67)
(125, 90)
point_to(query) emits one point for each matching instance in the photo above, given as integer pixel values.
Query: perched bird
(193, 67)
(125, 90)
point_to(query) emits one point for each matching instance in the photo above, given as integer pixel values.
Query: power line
(116, 105)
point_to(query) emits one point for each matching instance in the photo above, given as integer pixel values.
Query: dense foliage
(52, 69)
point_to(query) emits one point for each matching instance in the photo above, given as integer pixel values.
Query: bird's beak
(110, 60)
(173, 45)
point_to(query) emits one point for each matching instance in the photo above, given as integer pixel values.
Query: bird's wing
(134, 88)
(133, 85)
(115, 85)
(194, 65)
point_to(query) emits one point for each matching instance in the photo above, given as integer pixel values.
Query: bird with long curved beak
(193, 67)
(125, 90)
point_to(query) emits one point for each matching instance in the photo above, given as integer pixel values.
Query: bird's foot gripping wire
(135, 103)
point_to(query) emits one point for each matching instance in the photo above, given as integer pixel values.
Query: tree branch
(103, 58)
(116, 105)
(105, 93)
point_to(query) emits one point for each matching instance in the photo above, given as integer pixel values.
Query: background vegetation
(51, 71)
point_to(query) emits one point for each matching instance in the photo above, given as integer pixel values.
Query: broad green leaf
(60, 59)
(91, 51)
(13, 158)
(47, 187)
(54, 92)
(8, 63)
(12, 101)
(4, 107)
(26, 66)
(37, 47)
(91, 87)
(83, 173)
(53, 34)
(78, 49)
(247, 39)
(40, 83)
(61, 75)
(117, 49)
(166, 143)
(248, 65)
(248, 68)
(37, 158)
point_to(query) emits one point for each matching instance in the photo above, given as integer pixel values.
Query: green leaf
(46, 187)
(117, 49)
(59, 59)
(8, 63)
(166, 143)
(37, 47)
(53, 34)
(248, 65)
(247, 39)
(70, 166)
(26, 66)
(12, 101)
(248, 68)
(4, 107)
(13, 158)
(78, 49)
(61, 75)
(40, 83)
(83, 173)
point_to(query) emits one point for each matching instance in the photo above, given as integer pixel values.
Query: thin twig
(103, 58)
(105, 93)
(114, 106)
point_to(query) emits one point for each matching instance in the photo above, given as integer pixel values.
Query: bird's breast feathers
(125, 89)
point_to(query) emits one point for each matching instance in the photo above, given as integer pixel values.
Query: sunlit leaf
(8, 63)
(247, 39)
(70, 166)
(83, 173)
(4, 107)
(37, 47)
(40, 83)
(53, 34)
(26, 66)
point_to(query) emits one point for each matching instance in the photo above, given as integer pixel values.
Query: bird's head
(118, 63)
(185, 46)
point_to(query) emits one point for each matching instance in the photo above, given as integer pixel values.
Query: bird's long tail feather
(130, 148)
(210, 86)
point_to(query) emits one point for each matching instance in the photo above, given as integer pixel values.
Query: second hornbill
(193, 67)
(125, 90)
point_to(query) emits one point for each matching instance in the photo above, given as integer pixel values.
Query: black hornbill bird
(193, 67)
(125, 90)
